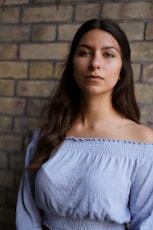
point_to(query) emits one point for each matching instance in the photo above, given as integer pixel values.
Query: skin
(97, 64)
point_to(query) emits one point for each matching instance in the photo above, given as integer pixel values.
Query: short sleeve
(28, 215)
(141, 198)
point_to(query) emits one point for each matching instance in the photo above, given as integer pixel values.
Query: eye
(84, 53)
(109, 55)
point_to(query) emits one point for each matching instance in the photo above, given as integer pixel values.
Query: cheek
(78, 75)
(116, 73)
(117, 69)
(77, 69)
(80, 64)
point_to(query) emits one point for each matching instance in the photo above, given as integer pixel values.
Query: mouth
(92, 76)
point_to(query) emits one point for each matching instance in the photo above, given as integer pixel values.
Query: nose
(95, 62)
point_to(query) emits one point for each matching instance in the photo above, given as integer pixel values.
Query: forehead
(99, 38)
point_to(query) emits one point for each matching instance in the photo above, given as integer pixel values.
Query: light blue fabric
(89, 184)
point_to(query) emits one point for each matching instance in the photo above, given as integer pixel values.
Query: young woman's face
(97, 63)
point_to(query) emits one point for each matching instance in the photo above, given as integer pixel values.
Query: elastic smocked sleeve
(141, 198)
(28, 215)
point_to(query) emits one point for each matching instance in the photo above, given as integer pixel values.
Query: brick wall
(34, 38)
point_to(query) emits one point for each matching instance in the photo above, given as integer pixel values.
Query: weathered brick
(86, 11)
(43, 33)
(10, 105)
(8, 51)
(2, 198)
(136, 72)
(142, 51)
(35, 88)
(9, 15)
(134, 30)
(7, 215)
(7, 226)
(147, 115)
(144, 93)
(5, 123)
(66, 2)
(10, 142)
(6, 87)
(58, 70)
(67, 31)
(14, 33)
(3, 161)
(13, 2)
(6, 179)
(16, 161)
(148, 73)
(11, 199)
(62, 2)
(28, 138)
(53, 51)
(47, 14)
(55, 1)
(27, 125)
(45, 1)
(52, 25)
(35, 106)
(129, 10)
(149, 31)
(41, 70)
(13, 69)
(18, 178)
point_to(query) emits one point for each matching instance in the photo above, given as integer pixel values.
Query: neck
(96, 112)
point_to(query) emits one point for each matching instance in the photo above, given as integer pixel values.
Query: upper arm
(141, 198)
(28, 215)
(145, 133)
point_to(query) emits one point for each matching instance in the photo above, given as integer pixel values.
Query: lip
(94, 76)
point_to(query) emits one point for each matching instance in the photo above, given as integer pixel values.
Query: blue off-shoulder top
(89, 184)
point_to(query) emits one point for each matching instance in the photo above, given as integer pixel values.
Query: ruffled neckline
(101, 139)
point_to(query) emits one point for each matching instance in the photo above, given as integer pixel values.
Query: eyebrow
(104, 48)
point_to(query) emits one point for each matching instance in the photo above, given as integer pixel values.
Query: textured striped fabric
(89, 184)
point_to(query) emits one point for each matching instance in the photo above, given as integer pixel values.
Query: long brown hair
(65, 105)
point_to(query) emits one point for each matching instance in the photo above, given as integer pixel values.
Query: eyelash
(107, 54)
(85, 53)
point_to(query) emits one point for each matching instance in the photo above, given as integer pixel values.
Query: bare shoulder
(142, 133)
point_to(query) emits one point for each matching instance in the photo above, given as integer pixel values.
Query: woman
(91, 166)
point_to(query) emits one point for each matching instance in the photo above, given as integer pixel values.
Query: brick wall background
(34, 38)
